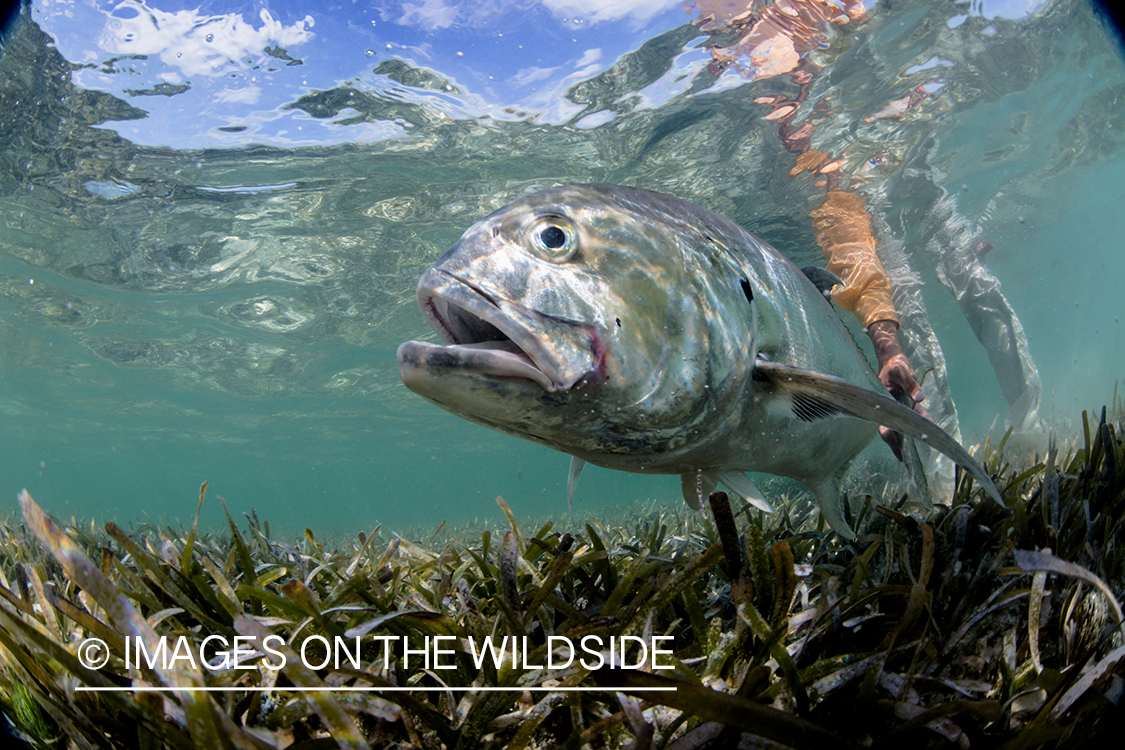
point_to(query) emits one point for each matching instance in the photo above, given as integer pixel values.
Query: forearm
(884, 337)
(843, 231)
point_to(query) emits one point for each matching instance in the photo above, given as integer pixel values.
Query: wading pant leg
(987, 311)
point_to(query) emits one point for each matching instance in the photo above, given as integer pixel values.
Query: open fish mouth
(485, 335)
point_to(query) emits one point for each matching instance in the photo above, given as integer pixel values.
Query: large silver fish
(640, 332)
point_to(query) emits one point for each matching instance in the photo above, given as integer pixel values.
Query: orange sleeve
(843, 230)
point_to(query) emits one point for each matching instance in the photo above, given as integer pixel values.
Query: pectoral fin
(814, 396)
(576, 467)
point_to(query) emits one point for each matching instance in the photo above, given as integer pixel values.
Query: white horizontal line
(395, 689)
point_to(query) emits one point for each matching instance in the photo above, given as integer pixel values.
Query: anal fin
(916, 470)
(828, 497)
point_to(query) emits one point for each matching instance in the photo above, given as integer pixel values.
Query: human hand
(896, 375)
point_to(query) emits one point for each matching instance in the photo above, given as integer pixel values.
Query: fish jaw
(488, 337)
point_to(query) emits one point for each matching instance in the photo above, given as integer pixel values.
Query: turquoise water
(208, 254)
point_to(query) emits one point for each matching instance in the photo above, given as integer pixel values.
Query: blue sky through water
(215, 75)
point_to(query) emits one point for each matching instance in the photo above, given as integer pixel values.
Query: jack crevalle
(640, 332)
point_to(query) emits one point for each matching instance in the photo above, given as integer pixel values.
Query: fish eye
(554, 238)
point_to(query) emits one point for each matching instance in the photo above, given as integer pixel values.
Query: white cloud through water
(196, 44)
(434, 15)
(609, 10)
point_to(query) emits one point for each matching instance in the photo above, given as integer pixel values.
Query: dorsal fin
(822, 278)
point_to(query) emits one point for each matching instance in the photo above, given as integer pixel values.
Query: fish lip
(446, 297)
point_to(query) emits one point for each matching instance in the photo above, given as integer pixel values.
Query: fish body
(640, 332)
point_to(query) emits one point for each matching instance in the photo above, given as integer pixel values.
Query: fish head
(570, 318)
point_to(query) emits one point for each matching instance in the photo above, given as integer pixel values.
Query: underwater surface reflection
(213, 222)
